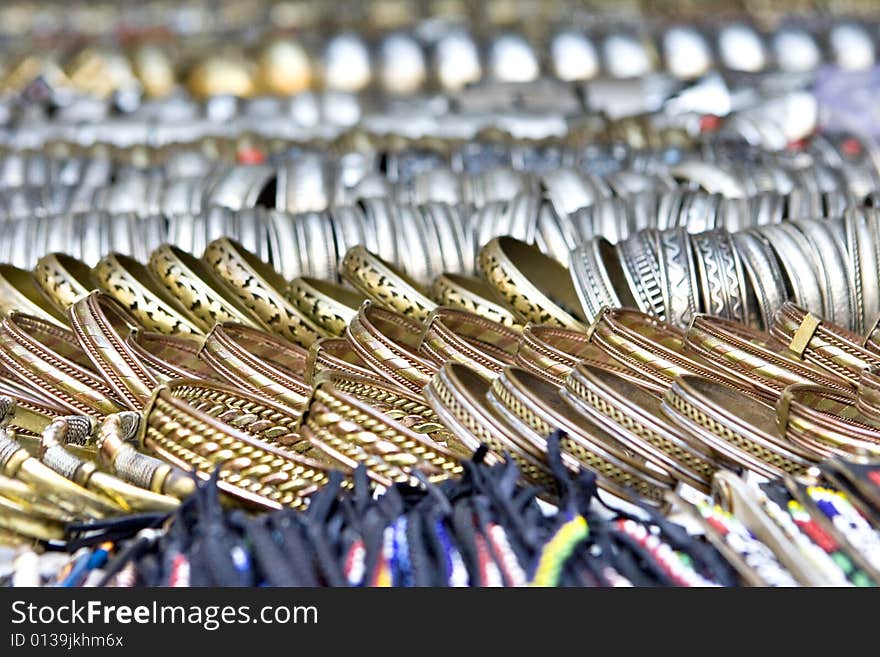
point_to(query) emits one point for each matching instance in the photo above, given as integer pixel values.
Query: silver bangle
(677, 276)
(762, 270)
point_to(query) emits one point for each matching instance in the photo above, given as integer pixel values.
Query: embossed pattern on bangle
(472, 294)
(63, 279)
(328, 305)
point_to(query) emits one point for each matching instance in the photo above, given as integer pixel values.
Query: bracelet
(791, 247)
(328, 305)
(636, 419)
(751, 358)
(458, 396)
(334, 354)
(598, 278)
(640, 266)
(740, 430)
(257, 287)
(678, 275)
(385, 284)
(534, 286)
(258, 362)
(721, 277)
(536, 408)
(45, 358)
(833, 348)
(484, 345)
(471, 294)
(765, 276)
(63, 279)
(193, 284)
(102, 327)
(863, 250)
(198, 427)
(145, 298)
(20, 292)
(388, 342)
(168, 357)
(826, 421)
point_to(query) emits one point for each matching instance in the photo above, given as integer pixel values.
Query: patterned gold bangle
(753, 360)
(471, 294)
(353, 432)
(334, 354)
(259, 288)
(454, 334)
(102, 327)
(636, 419)
(826, 421)
(385, 284)
(388, 342)
(63, 279)
(46, 358)
(258, 362)
(552, 352)
(169, 356)
(194, 285)
(19, 291)
(137, 289)
(536, 408)
(328, 305)
(868, 393)
(24, 412)
(534, 286)
(740, 430)
(831, 347)
(653, 348)
(198, 427)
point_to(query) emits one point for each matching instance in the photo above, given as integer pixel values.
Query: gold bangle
(352, 433)
(868, 393)
(102, 327)
(329, 305)
(454, 334)
(41, 355)
(334, 354)
(655, 349)
(831, 347)
(552, 353)
(388, 342)
(258, 362)
(193, 284)
(385, 284)
(536, 409)
(198, 427)
(137, 289)
(169, 356)
(826, 421)
(753, 360)
(740, 430)
(258, 287)
(636, 419)
(63, 279)
(534, 286)
(23, 412)
(19, 291)
(471, 294)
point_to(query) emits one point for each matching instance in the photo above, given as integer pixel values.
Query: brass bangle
(458, 396)
(356, 433)
(653, 348)
(63, 279)
(19, 291)
(102, 327)
(334, 354)
(328, 305)
(259, 288)
(24, 413)
(739, 430)
(194, 285)
(552, 352)
(146, 299)
(258, 362)
(28, 349)
(536, 409)
(454, 334)
(471, 294)
(198, 426)
(868, 397)
(831, 347)
(636, 419)
(169, 356)
(753, 360)
(385, 284)
(534, 286)
(826, 421)
(388, 342)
